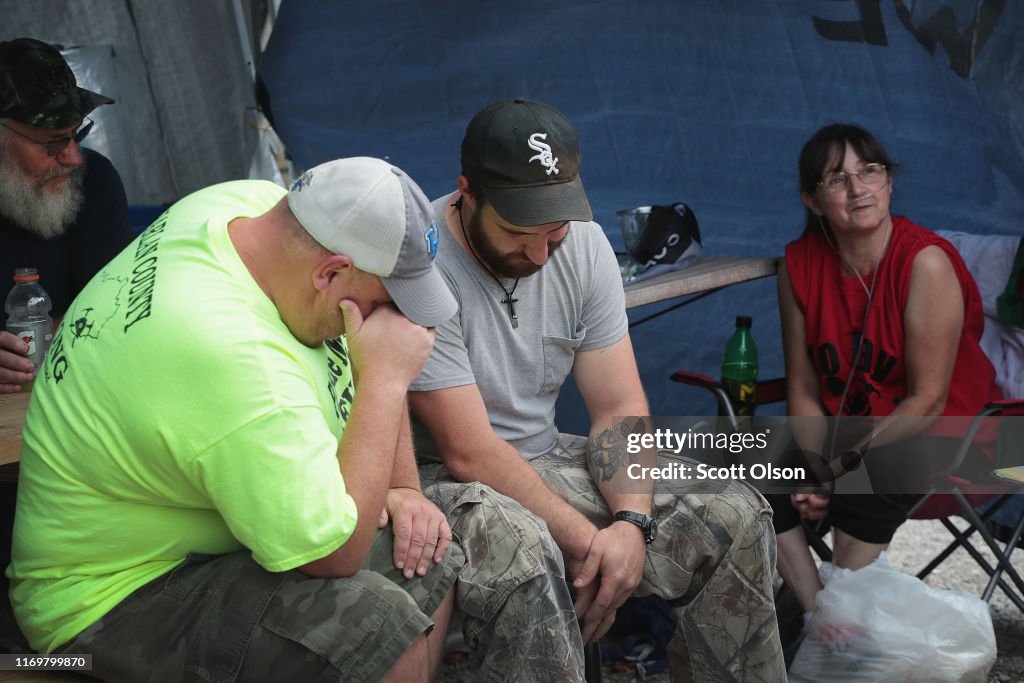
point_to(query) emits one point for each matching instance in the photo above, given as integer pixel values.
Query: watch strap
(645, 522)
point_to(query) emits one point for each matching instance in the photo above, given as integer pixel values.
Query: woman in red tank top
(880, 318)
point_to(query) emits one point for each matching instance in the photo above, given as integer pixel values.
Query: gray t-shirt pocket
(559, 354)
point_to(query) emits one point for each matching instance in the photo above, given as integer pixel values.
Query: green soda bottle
(739, 368)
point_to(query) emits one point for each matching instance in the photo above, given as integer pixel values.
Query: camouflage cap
(37, 86)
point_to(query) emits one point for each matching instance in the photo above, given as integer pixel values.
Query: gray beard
(30, 207)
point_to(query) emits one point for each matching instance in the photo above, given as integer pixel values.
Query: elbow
(337, 565)
(932, 402)
(937, 406)
(461, 457)
(342, 570)
(459, 464)
(924, 405)
(345, 572)
(345, 560)
(467, 455)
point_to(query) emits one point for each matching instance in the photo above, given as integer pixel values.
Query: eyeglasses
(55, 147)
(872, 175)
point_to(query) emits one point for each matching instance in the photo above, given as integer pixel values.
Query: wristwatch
(647, 524)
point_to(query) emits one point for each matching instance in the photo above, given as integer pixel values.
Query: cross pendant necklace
(512, 315)
(509, 300)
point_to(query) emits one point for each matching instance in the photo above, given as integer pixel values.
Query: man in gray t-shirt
(539, 296)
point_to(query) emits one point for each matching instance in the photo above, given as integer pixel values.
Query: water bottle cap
(25, 274)
(744, 321)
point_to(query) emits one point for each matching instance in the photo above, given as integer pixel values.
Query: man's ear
(329, 268)
(464, 192)
(811, 202)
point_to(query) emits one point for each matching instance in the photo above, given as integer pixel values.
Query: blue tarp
(703, 101)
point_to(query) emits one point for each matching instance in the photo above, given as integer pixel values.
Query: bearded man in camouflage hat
(63, 209)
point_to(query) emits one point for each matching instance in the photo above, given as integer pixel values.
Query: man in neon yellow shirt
(209, 465)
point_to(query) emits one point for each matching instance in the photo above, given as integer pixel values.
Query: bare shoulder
(933, 262)
(934, 284)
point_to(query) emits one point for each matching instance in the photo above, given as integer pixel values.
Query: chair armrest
(1005, 407)
(715, 387)
(765, 391)
(1008, 407)
(770, 391)
(694, 380)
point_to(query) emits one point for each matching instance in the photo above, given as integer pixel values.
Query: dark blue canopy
(706, 102)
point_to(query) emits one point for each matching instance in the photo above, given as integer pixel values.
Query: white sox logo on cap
(500, 153)
(545, 157)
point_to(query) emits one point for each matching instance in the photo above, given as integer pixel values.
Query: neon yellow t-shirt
(175, 414)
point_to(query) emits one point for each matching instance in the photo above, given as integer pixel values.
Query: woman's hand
(810, 505)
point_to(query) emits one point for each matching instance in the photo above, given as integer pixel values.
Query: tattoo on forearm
(607, 452)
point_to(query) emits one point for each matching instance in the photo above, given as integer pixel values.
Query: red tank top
(834, 307)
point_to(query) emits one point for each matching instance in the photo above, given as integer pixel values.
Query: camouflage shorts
(712, 561)
(518, 617)
(225, 618)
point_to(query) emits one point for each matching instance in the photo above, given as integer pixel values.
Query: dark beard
(508, 265)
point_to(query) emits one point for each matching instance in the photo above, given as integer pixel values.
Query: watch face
(653, 530)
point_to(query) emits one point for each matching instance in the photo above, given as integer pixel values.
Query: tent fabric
(702, 100)
(185, 113)
(705, 102)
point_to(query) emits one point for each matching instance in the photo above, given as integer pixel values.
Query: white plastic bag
(879, 624)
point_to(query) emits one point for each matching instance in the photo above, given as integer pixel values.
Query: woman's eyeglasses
(55, 147)
(871, 176)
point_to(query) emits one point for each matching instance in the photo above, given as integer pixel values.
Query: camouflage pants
(712, 561)
(225, 618)
(518, 617)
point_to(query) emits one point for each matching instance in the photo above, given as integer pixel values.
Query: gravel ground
(915, 543)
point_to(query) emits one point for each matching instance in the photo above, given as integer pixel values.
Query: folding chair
(969, 495)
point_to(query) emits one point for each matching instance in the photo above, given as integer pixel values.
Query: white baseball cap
(374, 213)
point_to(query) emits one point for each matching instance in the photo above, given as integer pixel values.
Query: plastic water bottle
(28, 314)
(739, 368)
